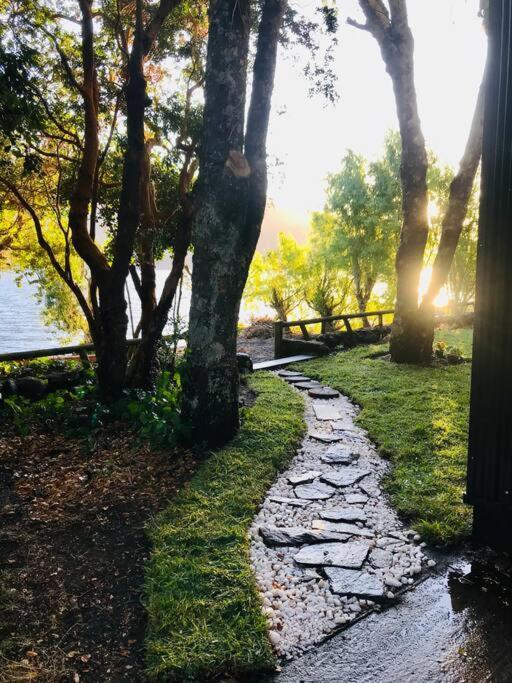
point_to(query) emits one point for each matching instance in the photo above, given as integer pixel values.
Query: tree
(363, 200)
(412, 334)
(64, 163)
(231, 199)
(277, 277)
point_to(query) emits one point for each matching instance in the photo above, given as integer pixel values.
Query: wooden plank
(280, 362)
(304, 331)
(332, 318)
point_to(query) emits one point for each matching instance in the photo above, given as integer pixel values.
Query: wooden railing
(345, 318)
(80, 350)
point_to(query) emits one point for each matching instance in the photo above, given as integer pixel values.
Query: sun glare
(442, 299)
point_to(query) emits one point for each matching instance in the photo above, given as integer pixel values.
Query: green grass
(418, 416)
(203, 609)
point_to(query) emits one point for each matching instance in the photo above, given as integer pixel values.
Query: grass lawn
(203, 610)
(418, 416)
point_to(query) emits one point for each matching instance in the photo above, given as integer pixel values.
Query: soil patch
(72, 552)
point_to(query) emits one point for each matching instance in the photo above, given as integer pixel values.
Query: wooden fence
(280, 326)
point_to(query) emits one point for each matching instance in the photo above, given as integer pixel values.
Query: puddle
(456, 627)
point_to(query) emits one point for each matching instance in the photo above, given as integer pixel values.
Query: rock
(345, 477)
(297, 379)
(28, 387)
(354, 582)
(289, 501)
(307, 385)
(325, 411)
(244, 363)
(350, 555)
(392, 582)
(273, 535)
(325, 437)
(431, 563)
(305, 478)
(370, 490)
(341, 527)
(343, 426)
(314, 491)
(289, 373)
(339, 456)
(343, 515)
(381, 558)
(323, 392)
(356, 498)
(275, 638)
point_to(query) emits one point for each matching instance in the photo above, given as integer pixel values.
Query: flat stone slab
(297, 379)
(381, 558)
(339, 455)
(350, 555)
(325, 411)
(307, 385)
(323, 392)
(325, 437)
(289, 373)
(314, 491)
(344, 477)
(305, 478)
(356, 498)
(295, 502)
(275, 536)
(341, 528)
(343, 426)
(353, 582)
(343, 515)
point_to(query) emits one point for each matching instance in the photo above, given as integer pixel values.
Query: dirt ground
(72, 552)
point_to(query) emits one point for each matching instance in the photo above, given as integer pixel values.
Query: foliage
(277, 277)
(418, 416)
(203, 609)
(153, 415)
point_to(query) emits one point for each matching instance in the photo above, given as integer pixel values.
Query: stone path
(326, 546)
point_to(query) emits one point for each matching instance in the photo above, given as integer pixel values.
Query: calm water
(21, 323)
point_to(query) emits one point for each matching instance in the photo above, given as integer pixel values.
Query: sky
(309, 136)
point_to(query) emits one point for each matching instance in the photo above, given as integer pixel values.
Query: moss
(203, 609)
(418, 416)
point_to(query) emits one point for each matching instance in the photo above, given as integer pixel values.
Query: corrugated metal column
(489, 487)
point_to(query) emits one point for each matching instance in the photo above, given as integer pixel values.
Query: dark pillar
(489, 486)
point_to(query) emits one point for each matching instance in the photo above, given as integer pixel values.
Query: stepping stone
(289, 501)
(356, 498)
(350, 555)
(345, 477)
(305, 478)
(326, 412)
(353, 582)
(341, 528)
(314, 491)
(273, 535)
(344, 515)
(323, 392)
(289, 373)
(370, 490)
(307, 385)
(325, 437)
(297, 380)
(381, 558)
(339, 455)
(343, 426)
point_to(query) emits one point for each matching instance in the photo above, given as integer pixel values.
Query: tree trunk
(231, 202)
(453, 221)
(143, 368)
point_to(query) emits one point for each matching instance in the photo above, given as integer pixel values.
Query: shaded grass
(418, 416)
(203, 609)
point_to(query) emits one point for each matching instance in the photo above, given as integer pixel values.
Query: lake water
(21, 323)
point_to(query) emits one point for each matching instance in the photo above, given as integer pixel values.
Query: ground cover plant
(418, 416)
(203, 610)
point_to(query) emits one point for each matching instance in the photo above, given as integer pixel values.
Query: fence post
(278, 339)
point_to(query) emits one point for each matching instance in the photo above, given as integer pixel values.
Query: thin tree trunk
(231, 202)
(453, 221)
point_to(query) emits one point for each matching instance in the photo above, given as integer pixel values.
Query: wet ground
(454, 627)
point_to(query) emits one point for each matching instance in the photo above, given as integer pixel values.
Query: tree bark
(231, 201)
